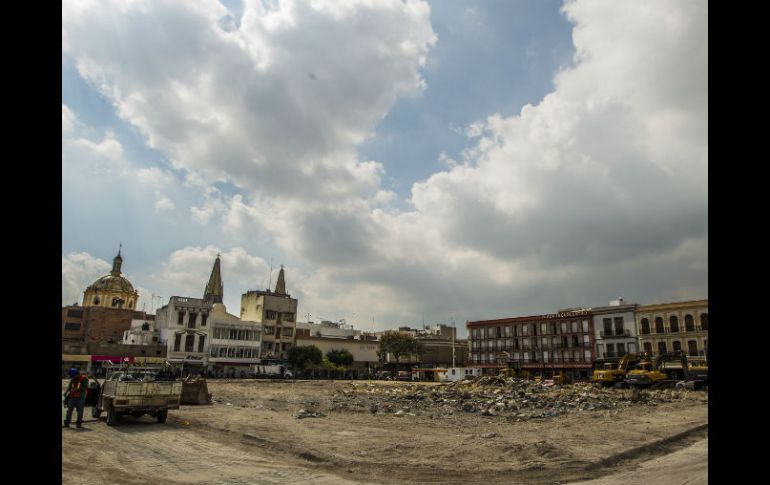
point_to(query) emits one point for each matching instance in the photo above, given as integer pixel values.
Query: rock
(400, 412)
(489, 435)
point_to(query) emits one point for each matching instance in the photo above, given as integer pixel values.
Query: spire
(117, 262)
(280, 286)
(214, 291)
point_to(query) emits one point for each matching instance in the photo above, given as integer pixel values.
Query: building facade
(615, 330)
(276, 312)
(184, 328)
(235, 343)
(665, 327)
(542, 344)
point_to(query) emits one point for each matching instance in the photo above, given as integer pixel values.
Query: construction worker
(75, 397)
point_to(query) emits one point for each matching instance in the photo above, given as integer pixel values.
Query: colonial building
(112, 290)
(276, 312)
(184, 329)
(109, 306)
(663, 327)
(235, 343)
(615, 330)
(541, 344)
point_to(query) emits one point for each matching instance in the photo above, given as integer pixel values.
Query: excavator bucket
(195, 391)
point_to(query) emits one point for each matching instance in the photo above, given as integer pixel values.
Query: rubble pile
(512, 398)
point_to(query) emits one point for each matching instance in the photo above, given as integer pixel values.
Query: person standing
(75, 397)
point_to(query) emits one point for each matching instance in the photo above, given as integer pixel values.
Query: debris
(489, 435)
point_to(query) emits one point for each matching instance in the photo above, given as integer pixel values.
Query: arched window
(659, 325)
(96, 300)
(673, 322)
(692, 347)
(704, 321)
(648, 347)
(689, 325)
(677, 345)
(645, 325)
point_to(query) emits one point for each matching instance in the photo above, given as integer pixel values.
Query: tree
(303, 355)
(399, 344)
(341, 357)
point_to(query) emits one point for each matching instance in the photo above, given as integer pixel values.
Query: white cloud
(78, 271)
(163, 203)
(68, 120)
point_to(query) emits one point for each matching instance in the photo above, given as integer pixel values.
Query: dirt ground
(357, 432)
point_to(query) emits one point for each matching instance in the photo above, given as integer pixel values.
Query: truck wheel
(96, 412)
(162, 415)
(112, 416)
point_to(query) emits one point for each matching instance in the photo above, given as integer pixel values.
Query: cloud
(163, 203)
(271, 105)
(78, 271)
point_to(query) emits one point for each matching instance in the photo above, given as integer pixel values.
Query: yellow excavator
(658, 373)
(612, 373)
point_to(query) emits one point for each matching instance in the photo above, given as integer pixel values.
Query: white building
(184, 329)
(615, 329)
(327, 329)
(142, 332)
(234, 344)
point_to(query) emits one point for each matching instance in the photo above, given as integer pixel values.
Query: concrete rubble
(510, 398)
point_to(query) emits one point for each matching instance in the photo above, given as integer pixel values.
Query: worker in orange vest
(75, 397)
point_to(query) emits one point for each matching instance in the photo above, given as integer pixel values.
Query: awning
(150, 360)
(75, 358)
(115, 359)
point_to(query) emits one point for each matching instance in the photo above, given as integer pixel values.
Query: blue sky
(461, 160)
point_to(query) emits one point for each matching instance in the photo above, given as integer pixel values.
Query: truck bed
(136, 394)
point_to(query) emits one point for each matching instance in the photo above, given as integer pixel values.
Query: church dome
(112, 283)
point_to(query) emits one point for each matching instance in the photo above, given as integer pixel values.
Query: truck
(611, 373)
(137, 392)
(272, 371)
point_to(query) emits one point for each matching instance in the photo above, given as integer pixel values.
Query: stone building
(683, 325)
(276, 312)
(112, 290)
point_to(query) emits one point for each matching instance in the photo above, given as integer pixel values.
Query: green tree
(399, 344)
(341, 357)
(303, 355)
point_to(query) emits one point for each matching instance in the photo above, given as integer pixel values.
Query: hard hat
(74, 372)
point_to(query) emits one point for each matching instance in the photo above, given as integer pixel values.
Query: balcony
(611, 334)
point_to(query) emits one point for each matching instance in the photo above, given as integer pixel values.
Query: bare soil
(252, 434)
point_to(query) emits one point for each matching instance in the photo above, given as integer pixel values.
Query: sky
(407, 162)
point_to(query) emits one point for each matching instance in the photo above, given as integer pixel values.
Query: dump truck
(612, 373)
(136, 391)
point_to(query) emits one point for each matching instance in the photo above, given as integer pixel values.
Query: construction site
(494, 429)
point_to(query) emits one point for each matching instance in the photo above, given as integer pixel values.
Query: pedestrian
(75, 397)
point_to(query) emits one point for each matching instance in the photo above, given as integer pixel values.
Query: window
(525, 329)
(201, 342)
(270, 315)
(575, 341)
(543, 328)
(287, 332)
(498, 332)
(79, 314)
(661, 347)
(645, 326)
(189, 343)
(177, 341)
(269, 330)
(180, 318)
(554, 328)
(621, 350)
(689, 325)
(704, 321)
(155, 339)
(507, 331)
(564, 341)
(619, 330)
(610, 350)
(600, 349)
(96, 300)
(673, 322)
(607, 322)
(659, 325)
(192, 319)
(564, 327)
(574, 326)
(71, 326)
(587, 355)
(204, 317)
(692, 347)
(288, 316)
(586, 339)
(545, 342)
(648, 347)
(677, 345)
(585, 325)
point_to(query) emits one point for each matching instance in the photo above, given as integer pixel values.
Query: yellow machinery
(612, 373)
(561, 377)
(651, 373)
